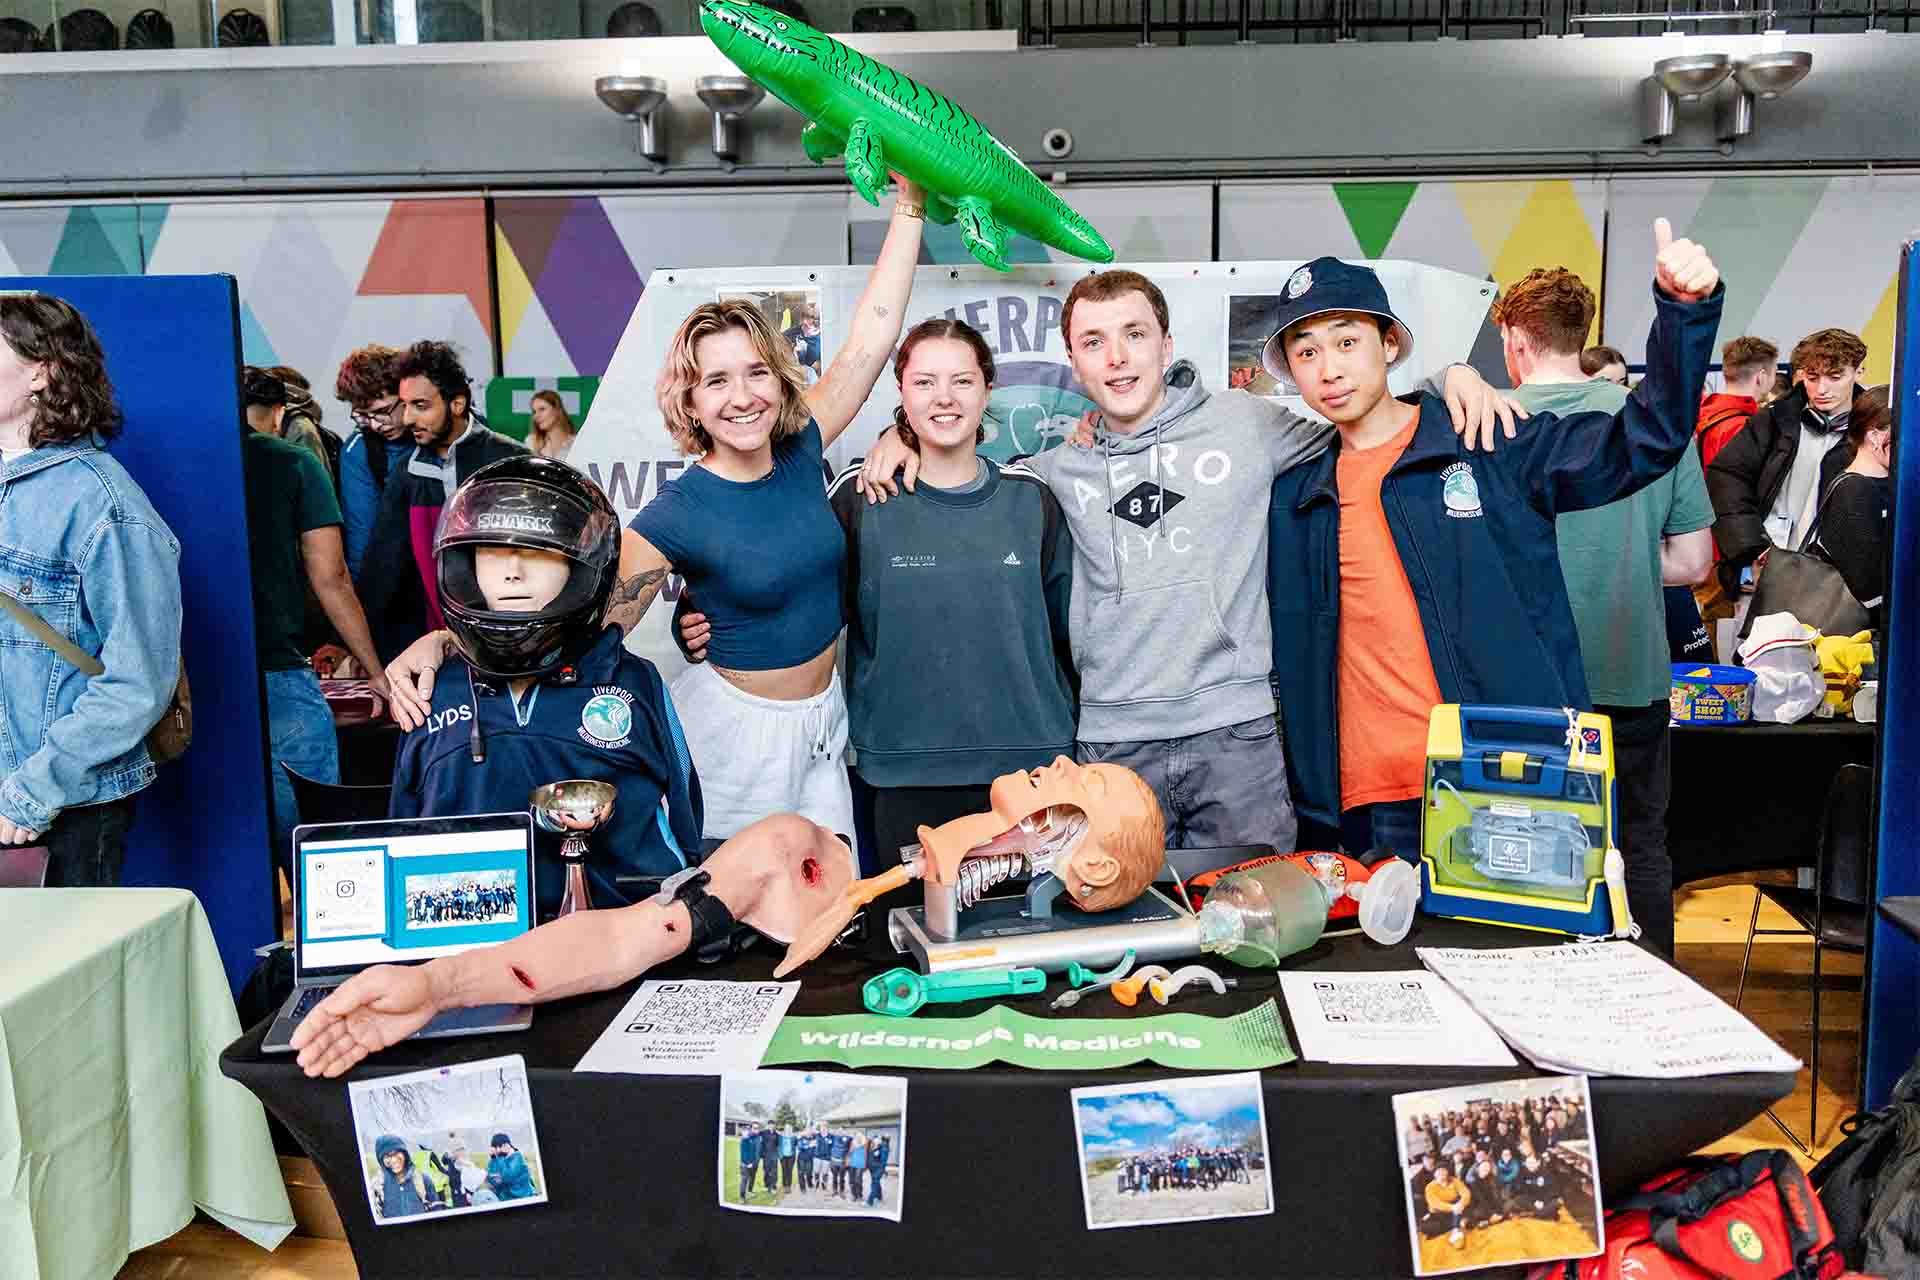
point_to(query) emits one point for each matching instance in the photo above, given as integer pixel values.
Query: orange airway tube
(1335, 870)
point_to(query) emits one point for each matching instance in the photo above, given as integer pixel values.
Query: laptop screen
(403, 890)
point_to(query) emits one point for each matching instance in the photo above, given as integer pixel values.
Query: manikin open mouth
(1037, 843)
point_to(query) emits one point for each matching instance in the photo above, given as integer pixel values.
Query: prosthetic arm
(777, 875)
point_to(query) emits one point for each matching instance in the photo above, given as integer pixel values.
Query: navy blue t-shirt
(616, 724)
(763, 558)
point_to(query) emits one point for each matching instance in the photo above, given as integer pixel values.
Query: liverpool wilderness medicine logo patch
(1460, 491)
(607, 719)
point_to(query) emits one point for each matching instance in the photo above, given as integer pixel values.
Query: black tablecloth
(992, 1186)
(1748, 797)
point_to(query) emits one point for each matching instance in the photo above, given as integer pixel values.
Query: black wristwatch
(713, 924)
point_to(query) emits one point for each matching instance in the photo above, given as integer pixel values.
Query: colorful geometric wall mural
(1497, 230)
(317, 278)
(1797, 253)
(320, 277)
(571, 268)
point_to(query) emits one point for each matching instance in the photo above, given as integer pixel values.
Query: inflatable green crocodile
(881, 120)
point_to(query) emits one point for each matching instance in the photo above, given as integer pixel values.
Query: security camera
(1057, 143)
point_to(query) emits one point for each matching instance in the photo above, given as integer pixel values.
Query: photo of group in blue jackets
(813, 1143)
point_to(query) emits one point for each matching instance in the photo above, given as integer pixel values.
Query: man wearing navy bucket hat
(1406, 570)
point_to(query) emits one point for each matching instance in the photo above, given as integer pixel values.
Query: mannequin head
(520, 579)
(1108, 867)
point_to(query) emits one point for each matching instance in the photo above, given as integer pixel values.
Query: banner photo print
(1036, 401)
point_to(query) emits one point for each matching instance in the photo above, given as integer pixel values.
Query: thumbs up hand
(1681, 268)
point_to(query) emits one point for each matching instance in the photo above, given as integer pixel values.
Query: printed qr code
(698, 1009)
(1391, 1003)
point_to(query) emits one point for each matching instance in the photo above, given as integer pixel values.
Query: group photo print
(814, 1143)
(1499, 1173)
(1173, 1151)
(450, 1141)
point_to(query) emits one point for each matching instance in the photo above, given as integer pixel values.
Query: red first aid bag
(1751, 1217)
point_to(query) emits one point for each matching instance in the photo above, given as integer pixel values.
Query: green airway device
(899, 993)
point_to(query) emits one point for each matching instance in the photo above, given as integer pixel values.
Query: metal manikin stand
(1025, 931)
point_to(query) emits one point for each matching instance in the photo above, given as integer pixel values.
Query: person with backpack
(301, 425)
(404, 1190)
(87, 561)
(378, 448)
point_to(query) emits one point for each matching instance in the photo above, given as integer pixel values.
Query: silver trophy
(575, 808)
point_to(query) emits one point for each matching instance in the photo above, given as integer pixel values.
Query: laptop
(405, 891)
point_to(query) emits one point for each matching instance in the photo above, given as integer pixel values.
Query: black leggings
(87, 844)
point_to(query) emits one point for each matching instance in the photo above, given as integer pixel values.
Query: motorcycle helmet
(542, 504)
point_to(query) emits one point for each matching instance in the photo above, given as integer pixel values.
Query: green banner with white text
(1187, 1041)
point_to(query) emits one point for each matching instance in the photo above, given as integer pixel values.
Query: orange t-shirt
(1387, 688)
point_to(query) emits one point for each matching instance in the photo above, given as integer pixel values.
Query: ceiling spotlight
(1685, 78)
(1764, 75)
(1768, 75)
(729, 98)
(639, 98)
(1690, 75)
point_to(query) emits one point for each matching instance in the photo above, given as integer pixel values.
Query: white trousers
(757, 756)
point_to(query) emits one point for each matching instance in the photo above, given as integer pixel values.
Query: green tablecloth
(115, 1121)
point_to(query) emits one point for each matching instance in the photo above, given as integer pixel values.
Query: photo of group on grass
(1499, 1173)
(1173, 1151)
(813, 1142)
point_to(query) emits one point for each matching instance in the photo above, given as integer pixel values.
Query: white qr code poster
(683, 1027)
(1411, 1018)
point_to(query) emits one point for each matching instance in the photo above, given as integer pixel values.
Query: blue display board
(173, 352)
(1893, 966)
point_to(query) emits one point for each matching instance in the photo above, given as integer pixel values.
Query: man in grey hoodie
(1169, 622)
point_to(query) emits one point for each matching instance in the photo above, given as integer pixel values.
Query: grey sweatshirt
(1169, 623)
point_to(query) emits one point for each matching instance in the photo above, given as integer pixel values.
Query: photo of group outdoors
(795, 313)
(813, 1143)
(449, 1141)
(461, 898)
(1173, 1151)
(1499, 1173)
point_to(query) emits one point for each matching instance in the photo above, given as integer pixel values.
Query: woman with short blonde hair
(680, 372)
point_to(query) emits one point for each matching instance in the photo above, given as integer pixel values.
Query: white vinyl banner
(1222, 314)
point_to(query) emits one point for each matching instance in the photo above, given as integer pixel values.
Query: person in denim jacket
(82, 547)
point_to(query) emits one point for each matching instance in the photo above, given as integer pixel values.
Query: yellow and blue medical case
(1518, 818)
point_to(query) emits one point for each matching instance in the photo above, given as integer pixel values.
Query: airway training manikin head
(526, 552)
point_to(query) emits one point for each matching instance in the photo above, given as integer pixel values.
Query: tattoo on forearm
(881, 312)
(632, 596)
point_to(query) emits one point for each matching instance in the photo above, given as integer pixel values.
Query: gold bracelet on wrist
(911, 210)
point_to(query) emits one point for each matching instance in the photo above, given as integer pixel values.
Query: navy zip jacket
(1475, 535)
(615, 724)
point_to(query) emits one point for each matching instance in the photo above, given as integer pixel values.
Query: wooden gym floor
(1711, 930)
